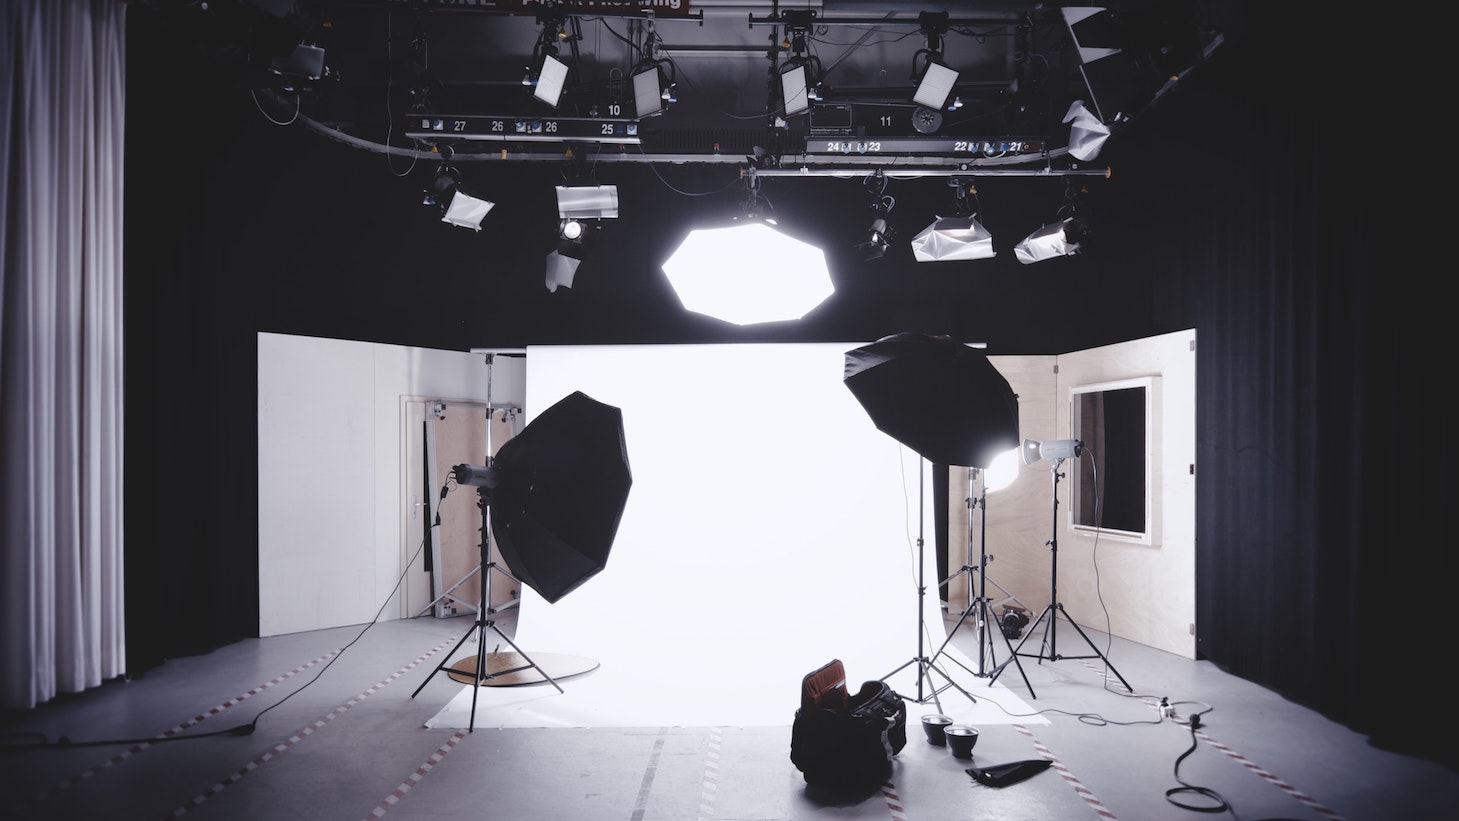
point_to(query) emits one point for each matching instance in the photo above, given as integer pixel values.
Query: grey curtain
(61, 143)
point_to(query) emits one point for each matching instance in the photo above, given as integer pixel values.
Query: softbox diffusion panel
(565, 482)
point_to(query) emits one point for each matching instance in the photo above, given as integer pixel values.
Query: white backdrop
(770, 528)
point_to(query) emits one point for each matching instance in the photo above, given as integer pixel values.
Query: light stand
(980, 603)
(1050, 648)
(925, 666)
(483, 620)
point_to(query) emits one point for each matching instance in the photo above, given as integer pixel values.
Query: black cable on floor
(1220, 805)
(64, 742)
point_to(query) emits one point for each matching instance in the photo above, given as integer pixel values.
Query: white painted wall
(330, 471)
(1150, 589)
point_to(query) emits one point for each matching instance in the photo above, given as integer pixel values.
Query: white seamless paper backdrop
(770, 528)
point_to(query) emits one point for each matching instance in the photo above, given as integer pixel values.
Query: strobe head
(476, 475)
(1052, 449)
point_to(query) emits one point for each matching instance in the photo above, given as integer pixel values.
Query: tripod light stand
(465, 475)
(947, 402)
(1057, 451)
(553, 497)
(926, 690)
(978, 606)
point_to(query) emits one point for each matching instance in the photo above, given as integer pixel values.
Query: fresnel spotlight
(881, 232)
(1063, 237)
(457, 207)
(580, 211)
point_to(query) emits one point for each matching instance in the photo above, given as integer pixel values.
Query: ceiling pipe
(901, 172)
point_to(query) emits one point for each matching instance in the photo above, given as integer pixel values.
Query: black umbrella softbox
(938, 397)
(562, 487)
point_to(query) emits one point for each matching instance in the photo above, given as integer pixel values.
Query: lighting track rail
(500, 128)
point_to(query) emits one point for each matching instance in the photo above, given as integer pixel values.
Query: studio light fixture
(1063, 237)
(654, 78)
(957, 237)
(457, 207)
(948, 403)
(879, 235)
(800, 86)
(800, 77)
(547, 74)
(552, 499)
(590, 201)
(1057, 239)
(1056, 451)
(936, 79)
(1086, 133)
(653, 91)
(304, 62)
(1051, 449)
(571, 230)
(881, 232)
(748, 271)
(580, 208)
(953, 238)
(551, 79)
(934, 87)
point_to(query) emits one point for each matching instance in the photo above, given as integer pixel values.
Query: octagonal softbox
(561, 488)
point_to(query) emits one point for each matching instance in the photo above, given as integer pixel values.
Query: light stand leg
(979, 604)
(1050, 645)
(926, 690)
(484, 622)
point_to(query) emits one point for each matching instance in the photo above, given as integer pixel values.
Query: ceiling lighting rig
(1116, 62)
(552, 76)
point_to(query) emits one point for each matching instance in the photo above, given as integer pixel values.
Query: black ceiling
(391, 70)
(322, 218)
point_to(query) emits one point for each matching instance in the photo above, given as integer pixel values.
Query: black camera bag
(847, 744)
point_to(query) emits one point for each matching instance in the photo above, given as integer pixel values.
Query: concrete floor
(353, 745)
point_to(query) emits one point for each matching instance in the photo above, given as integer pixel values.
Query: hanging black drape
(1321, 499)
